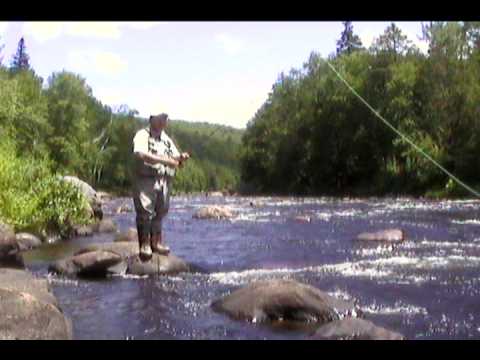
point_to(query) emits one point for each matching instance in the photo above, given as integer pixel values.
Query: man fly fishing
(156, 162)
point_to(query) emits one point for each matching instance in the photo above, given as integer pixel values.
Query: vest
(156, 146)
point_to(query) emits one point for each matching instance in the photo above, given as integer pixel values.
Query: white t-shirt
(162, 145)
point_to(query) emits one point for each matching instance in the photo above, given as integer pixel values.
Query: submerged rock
(123, 209)
(105, 226)
(83, 230)
(131, 235)
(9, 249)
(213, 212)
(283, 300)
(8, 243)
(158, 265)
(354, 329)
(389, 235)
(29, 310)
(302, 219)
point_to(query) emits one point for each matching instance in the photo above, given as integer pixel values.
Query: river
(425, 288)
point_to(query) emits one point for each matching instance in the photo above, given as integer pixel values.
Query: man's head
(159, 122)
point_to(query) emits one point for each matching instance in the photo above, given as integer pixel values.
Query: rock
(389, 235)
(104, 196)
(215, 193)
(51, 238)
(14, 261)
(283, 300)
(27, 241)
(354, 329)
(131, 235)
(8, 243)
(105, 226)
(90, 194)
(158, 265)
(128, 252)
(29, 310)
(9, 249)
(123, 249)
(93, 263)
(213, 212)
(256, 204)
(23, 281)
(302, 219)
(83, 230)
(124, 209)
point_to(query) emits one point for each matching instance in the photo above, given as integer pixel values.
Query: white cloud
(142, 25)
(103, 62)
(43, 31)
(90, 29)
(3, 27)
(231, 45)
(422, 45)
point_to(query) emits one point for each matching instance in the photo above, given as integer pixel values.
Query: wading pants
(152, 200)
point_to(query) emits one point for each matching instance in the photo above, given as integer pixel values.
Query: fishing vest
(161, 145)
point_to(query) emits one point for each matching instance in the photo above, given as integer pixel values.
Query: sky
(217, 72)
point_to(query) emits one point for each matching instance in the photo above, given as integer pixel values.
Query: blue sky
(219, 72)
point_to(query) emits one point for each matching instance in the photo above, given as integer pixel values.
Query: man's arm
(156, 159)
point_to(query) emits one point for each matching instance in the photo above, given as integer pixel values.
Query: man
(156, 161)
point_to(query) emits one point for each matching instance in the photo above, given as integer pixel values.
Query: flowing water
(425, 288)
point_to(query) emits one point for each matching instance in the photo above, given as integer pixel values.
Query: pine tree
(348, 42)
(21, 60)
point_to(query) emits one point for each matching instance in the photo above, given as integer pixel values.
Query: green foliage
(33, 199)
(313, 136)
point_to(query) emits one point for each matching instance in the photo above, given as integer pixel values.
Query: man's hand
(184, 156)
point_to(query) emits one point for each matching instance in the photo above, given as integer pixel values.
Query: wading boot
(144, 244)
(156, 244)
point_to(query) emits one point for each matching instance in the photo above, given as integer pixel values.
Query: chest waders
(152, 198)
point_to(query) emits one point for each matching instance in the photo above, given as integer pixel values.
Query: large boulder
(283, 300)
(131, 235)
(158, 265)
(27, 241)
(354, 329)
(213, 212)
(90, 194)
(124, 249)
(93, 263)
(389, 235)
(28, 310)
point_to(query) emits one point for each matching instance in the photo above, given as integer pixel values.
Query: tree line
(57, 127)
(312, 136)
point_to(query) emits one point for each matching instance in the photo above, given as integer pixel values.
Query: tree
(21, 60)
(393, 42)
(348, 42)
